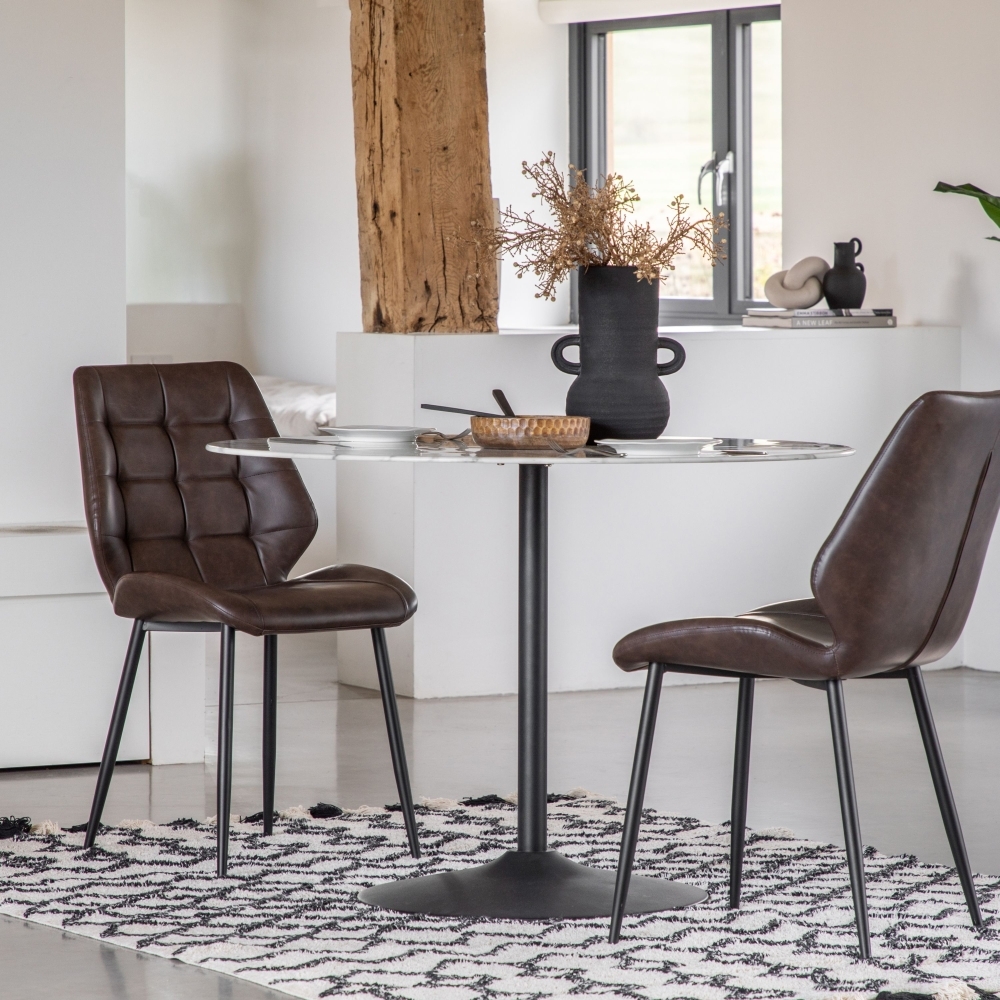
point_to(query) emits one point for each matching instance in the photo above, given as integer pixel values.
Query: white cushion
(298, 408)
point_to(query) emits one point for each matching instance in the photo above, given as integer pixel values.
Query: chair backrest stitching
(251, 534)
(94, 515)
(177, 472)
(958, 559)
(856, 496)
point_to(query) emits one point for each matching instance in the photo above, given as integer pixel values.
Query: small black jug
(618, 384)
(845, 283)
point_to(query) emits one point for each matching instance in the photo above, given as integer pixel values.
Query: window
(689, 104)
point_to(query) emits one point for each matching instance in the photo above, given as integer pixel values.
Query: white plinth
(63, 660)
(628, 546)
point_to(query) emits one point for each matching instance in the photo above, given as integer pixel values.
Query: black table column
(532, 657)
(531, 882)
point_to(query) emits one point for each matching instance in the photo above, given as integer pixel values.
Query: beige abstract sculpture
(800, 287)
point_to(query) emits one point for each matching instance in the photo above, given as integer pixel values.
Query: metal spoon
(455, 409)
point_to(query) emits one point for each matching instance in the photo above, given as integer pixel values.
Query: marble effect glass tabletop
(532, 882)
(719, 450)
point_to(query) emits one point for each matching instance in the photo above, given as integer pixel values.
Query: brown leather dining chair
(892, 588)
(190, 541)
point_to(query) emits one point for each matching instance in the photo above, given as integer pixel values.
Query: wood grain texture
(422, 164)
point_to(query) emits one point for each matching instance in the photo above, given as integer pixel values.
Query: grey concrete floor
(331, 747)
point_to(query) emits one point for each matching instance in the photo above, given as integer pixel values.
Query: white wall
(527, 77)
(305, 277)
(62, 235)
(170, 332)
(882, 100)
(62, 304)
(190, 214)
(241, 166)
(241, 176)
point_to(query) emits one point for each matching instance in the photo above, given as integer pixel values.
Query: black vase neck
(613, 302)
(844, 255)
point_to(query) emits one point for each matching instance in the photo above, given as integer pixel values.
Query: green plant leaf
(993, 211)
(990, 202)
(996, 239)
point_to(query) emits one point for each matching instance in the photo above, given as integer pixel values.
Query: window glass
(665, 100)
(659, 130)
(765, 95)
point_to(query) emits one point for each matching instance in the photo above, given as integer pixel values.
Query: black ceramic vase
(844, 285)
(618, 379)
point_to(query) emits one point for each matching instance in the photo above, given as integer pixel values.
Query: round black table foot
(528, 886)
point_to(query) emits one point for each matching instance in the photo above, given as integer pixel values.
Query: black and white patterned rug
(288, 916)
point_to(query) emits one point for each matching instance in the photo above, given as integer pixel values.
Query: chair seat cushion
(791, 639)
(336, 597)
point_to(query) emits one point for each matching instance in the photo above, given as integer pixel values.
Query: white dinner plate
(658, 446)
(373, 436)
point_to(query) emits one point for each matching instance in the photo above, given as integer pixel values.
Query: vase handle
(680, 356)
(570, 367)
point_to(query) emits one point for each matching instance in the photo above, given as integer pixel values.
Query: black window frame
(732, 278)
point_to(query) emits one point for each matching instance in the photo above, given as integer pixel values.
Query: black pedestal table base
(528, 885)
(532, 882)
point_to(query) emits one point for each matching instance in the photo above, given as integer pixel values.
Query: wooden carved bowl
(530, 432)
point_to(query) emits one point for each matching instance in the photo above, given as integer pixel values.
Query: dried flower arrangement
(591, 228)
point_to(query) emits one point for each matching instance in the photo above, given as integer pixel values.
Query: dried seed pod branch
(591, 227)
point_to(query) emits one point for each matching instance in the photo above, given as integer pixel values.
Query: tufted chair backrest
(157, 501)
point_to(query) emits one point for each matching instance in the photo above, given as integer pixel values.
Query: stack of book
(811, 319)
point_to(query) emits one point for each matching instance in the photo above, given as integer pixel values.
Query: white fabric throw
(298, 408)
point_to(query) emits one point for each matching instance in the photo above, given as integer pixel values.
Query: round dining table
(531, 882)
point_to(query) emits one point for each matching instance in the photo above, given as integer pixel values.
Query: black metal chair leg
(741, 778)
(224, 778)
(636, 794)
(113, 742)
(396, 748)
(849, 811)
(270, 747)
(942, 787)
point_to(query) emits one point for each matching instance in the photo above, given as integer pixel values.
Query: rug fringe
(14, 826)
(47, 828)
